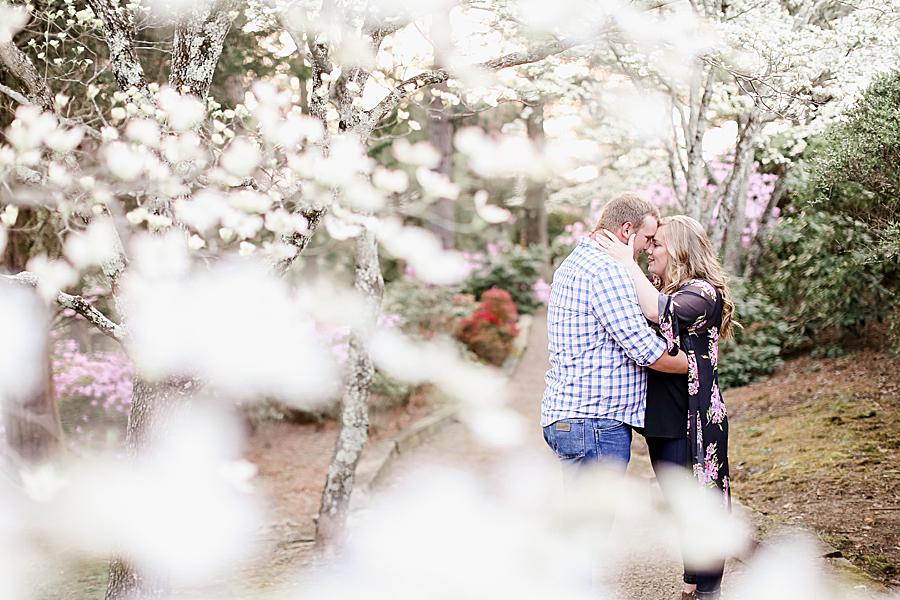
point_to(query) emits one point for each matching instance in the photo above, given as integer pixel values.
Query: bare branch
(77, 303)
(17, 96)
(414, 84)
(18, 63)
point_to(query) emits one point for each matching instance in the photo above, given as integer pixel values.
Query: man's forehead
(651, 224)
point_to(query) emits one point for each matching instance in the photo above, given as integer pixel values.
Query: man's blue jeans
(590, 442)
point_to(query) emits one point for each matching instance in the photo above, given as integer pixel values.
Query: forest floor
(818, 445)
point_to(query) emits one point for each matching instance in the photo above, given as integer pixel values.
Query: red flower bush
(490, 330)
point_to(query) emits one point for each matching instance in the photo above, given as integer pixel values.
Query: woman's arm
(648, 296)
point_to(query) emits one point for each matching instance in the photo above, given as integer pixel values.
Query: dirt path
(455, 446)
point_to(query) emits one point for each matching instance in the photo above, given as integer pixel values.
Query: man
(600, 344)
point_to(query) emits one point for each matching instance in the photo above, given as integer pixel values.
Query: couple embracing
(630, 354)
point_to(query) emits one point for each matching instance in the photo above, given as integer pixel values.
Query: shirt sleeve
(693, 302)
(614, 302)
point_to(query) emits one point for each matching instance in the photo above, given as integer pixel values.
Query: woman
(686, 424)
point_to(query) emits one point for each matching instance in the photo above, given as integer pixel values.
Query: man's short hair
(627, 208)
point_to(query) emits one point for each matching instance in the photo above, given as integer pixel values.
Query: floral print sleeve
(690, 319)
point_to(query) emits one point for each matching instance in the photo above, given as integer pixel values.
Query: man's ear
(626, 229)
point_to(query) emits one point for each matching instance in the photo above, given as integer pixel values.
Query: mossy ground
(818, 444)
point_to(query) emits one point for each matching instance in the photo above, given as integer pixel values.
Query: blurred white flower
(440, 363)
(30, 128)
(25, 324)
(58, 175)
(12, 19)
(490, 213)
(144, 131)
(241, 157)
(123, 162)
(423, 251)
(64, 140)
(53, 275)
(420, 154)
(784, 569)
(340, 229)
(234, 326)
(250, 201)
(197, 522)
(42, 482)
(183, 111)
(436, 185)
(182, 147)
(10, 215)
(708, 540)
(202, 210)
(97, 244)
(394, 182)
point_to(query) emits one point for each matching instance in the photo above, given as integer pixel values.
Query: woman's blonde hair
(691, 256)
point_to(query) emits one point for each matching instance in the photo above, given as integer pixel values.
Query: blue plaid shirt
(600, 342)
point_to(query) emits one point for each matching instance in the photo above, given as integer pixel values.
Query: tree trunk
(33, 429)
(119, 35)
(355, 404)
(199, 38)
(152, 402)
(535, 231)
(755, 252)
(443, 211)
(734, 199)
(695, 175)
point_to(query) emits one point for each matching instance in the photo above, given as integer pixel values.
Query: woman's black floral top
(691, 319)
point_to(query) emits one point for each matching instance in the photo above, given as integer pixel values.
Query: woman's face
(658, 254)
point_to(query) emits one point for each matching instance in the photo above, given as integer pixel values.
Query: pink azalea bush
(104, 379)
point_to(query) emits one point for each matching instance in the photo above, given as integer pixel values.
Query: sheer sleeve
(686, 309)
(694, 303)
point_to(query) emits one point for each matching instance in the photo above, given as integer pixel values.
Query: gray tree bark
(535, 230)
(152, 402)
(355, 404)
(33, 429)
(734, 198)
(199, 38)
(443, 211)
(119, 35)
(755, 252)
(18, 63)
(695, 169)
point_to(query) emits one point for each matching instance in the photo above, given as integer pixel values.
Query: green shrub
(855, 165)
(393, 392)
(815, 268)
(755, 349)
(515, 271)
(426, 310)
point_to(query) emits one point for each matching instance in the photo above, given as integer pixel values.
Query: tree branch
(299, 241)
(413, 84)
(17, 96)
(18, 63)
(76, 303)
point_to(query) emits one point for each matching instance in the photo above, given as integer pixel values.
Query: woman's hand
(619, 252)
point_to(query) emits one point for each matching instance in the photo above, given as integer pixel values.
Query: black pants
(667, 452)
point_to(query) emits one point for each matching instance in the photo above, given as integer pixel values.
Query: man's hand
(667, 363)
